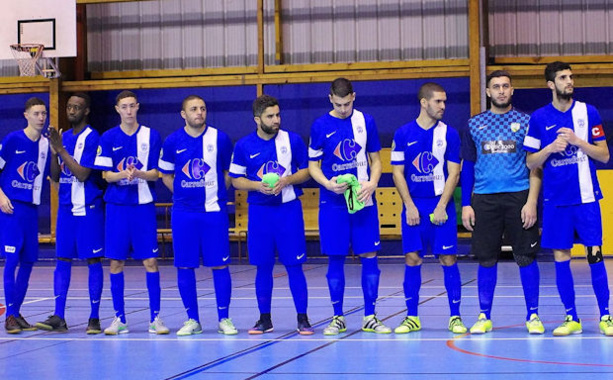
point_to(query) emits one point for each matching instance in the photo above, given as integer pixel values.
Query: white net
(26, 56)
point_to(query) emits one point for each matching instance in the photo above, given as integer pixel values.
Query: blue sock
(453, 285)
(298, 286)
(23, 279)
(223, 291)
(336, 282)
(370, 283)
(487, 277)
(96, 280)
(263, 287)
(155, 294)
(117, 288)
(530, 277)
(61, 283)
(10, 267)
(186, 280)
(411, 286)
(601, 287)
(566, 287)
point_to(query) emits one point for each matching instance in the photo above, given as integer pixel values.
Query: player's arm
(148, 175)
(440, 213)
(111, 177)
(537, 159)
(528, 211)
(598, 151)
(5, 203)
(57, 146)
(242, 183)
(467, 172)
(227, 179)
(297, 178)
(412, 214)
(369, 187)
(168, 180)
(330, 184)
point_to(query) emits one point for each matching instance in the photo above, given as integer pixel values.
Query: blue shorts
(197, 235)
(131, 227)
(80, 237)
(442, 240)
(19, 232)
(279, 227)
(565, 225)
(338, 229)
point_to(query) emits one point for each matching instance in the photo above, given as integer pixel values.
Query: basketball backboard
(49, 22)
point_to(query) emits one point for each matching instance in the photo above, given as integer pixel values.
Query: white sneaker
(371, 323)
(158, 327)
(117, 327)
(190, 327)
(226, 327)
(337, 325)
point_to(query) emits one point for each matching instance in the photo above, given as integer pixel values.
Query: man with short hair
(565, 138)
(499, 196)
(80, 216)
(128, 154)
(275, 212)
(343, 141)
(194, 164)
(426, 170)
(24, 164)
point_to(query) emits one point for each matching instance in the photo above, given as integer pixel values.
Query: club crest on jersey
(195, 168)
(144, 147)
(515, 127)
(129, 161)
(271, 167)
(581, 123)
(210, 148)
(425, 162)
(28, 171)
(347, 150)
(283, 150)
(99, 151)
(80, 146)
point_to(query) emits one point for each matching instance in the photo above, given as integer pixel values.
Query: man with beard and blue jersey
(426, 170)
(194, 164)
(499, 196)
(565, 138)
(275, 212)
(342, 142)
(80, 216)
(128, 155)
(24, 165)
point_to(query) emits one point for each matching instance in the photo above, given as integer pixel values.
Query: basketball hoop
(26, 56)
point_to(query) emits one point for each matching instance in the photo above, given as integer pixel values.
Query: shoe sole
(93, 332)
(13, 331)
(191, 333)
(259, 332)
(377, 332)
(41, 326)
(570, 333)
(480, 332)
(159, 332)
(45, 327)
(458, 332)
(117, 333)
(33, 328)
(305, 332)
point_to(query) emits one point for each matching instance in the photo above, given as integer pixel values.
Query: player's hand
(366, 191)
(280, 185)
(412, 215)
(265, 189)
(528, 215)
(559, 144)
(5, 204)
(569, 135)
(468, 217)
(55, 140)
(440, 216)
(336, 188)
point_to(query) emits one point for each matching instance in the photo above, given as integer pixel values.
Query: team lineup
(504, 160)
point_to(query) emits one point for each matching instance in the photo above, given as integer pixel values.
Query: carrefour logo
(271, 167)
(28, 171)
(347, 150)
(425, 162)
(195, 168)
(65, 170)
(127, 162)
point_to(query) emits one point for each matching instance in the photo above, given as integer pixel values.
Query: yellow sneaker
(568, 327)
(409, 324)
(482, 326)
(606, 325)
(534, 325)
(456, 325)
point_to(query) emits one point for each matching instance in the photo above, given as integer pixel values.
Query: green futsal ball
(271, 179)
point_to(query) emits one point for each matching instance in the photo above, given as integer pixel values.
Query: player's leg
(28, 256)
(95, 282)
(117, 244)
(12, 243)
(90, 246)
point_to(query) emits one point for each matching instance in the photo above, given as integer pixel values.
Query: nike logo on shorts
(447, 246)
(225, 258)
(299, 256)
(155, 250)
(97, 250)
(533, 244)
(377, 243)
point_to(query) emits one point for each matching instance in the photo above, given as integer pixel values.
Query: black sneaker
(11, 325)
(93, 327)
(261, 326)
(304, 327)
(25, 326)
(53, 323)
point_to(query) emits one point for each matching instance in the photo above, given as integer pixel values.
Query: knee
(151, 265)
(448, 260)
(412, 259)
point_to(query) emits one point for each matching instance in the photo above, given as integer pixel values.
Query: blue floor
(433, 353)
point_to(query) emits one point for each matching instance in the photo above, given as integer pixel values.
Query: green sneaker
(409, 324)
(456, 325)
(534, 325)
(606, 325)
(482, 326)
(371, 323)
(226, 327)
(336, 326)
(568, 327)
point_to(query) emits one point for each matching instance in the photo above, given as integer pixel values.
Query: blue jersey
(342, 146)
(284, 155)
(569, 177)
(117, 151)
(198, 165)
(494, 142)
(424, 154)
(25, 165)
(82, 148)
